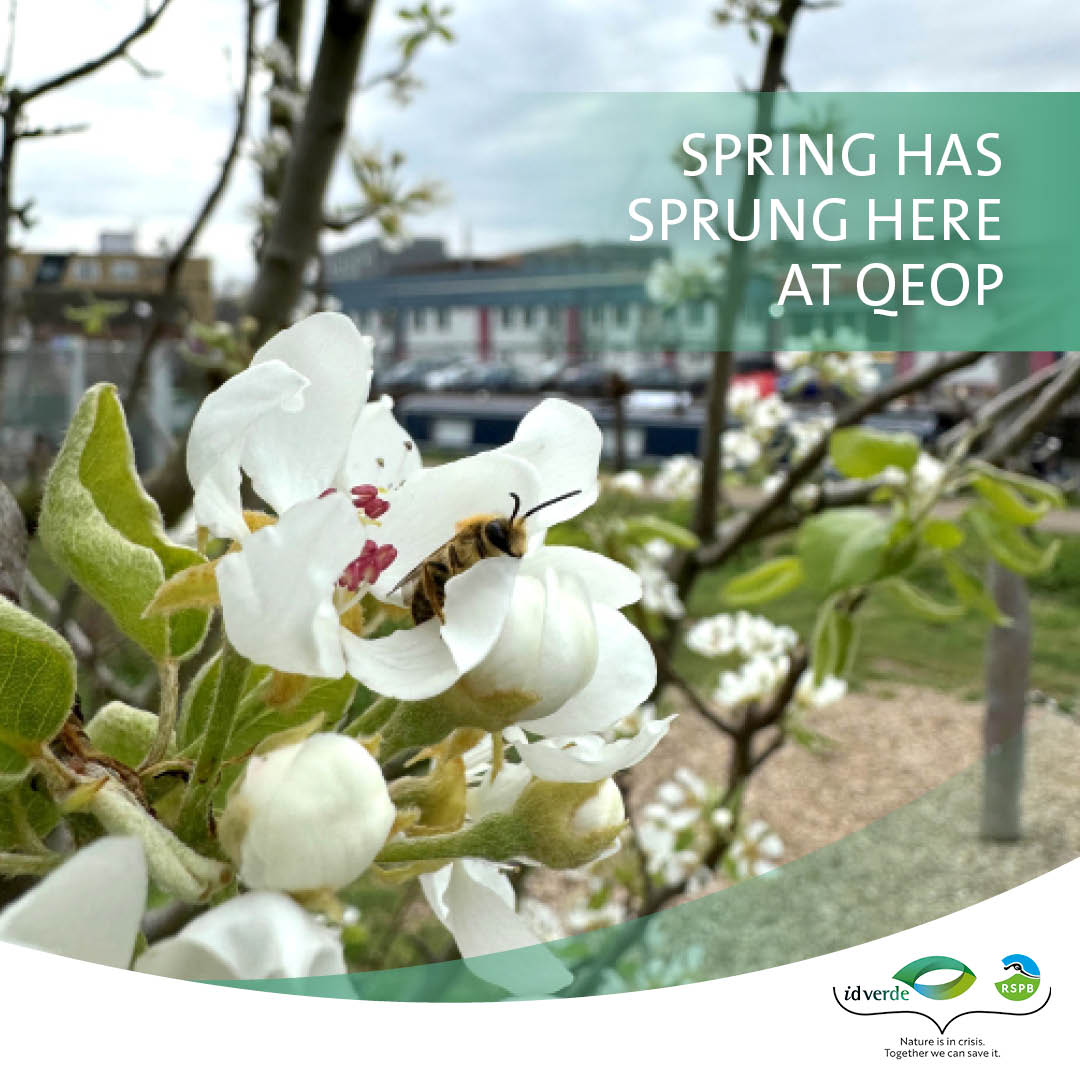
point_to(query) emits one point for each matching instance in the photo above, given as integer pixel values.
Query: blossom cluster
(499, 668)
(763, 652)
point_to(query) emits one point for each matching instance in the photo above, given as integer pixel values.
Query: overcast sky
(153, 144)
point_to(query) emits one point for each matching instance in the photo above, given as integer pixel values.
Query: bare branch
(341, 222)
(49, 132)
(178, 259)
(118, 51)
(140, 68)
(746, 525)
(997, 407)
(1037, 414)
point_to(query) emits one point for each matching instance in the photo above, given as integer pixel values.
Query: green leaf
(920, 602)
(641, 529)
(38, 809)
(1009, 546)
(944, 535)
(843, 548)
(198, 703)
(37, 688)
(99, 524)
(862, 452)
(764, 583)
(971, 592)
(833, 644)
(1006, 502)
(124, 732)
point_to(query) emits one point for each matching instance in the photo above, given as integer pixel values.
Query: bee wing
(414, 574)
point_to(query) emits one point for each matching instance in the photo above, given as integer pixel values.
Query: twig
(1037, 413)
(90, 66)
(174, 267)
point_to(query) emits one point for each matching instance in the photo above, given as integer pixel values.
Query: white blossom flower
(926, 474)
(297, 421)
(475, 901)
(758, 678)
(663, 284)
(258, 935)
(629, 482)
(679, 477)
(90, 908)
(659, 592)
(755, 850)
(308, 816)
(811, 696)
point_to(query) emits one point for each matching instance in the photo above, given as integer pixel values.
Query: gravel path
(882, 829)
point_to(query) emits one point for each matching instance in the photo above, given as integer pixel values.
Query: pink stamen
(368, 565)
(328, 491)
(376, 508)
(365, 497)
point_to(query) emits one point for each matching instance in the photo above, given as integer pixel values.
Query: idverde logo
(941, 991)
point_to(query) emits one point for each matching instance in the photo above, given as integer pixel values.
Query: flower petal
(425, 512)
(219, 435)
(260, 935)
(475, 901)
(88, 908)
(606, 581)
(563, 442)
(624, 676)
(408, 664)
(590, 758)
(476, 605)
(295, 456)
(277, 593)
(381, 451)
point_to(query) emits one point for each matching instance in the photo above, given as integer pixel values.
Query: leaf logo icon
(911, 973)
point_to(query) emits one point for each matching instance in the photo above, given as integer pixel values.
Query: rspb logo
(937, 980)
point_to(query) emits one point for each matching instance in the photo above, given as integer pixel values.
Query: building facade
(572, 302)
(44, 284)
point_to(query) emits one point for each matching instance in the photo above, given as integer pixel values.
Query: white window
(452, 433)
(85, 270)
(16, 268)
(124, 270)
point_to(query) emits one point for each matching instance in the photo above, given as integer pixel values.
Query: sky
(485, 114)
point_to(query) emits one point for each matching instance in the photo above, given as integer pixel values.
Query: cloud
(491, 104)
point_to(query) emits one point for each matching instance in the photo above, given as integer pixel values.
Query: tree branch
(163, 312)
(50, 132)
(1037, 413)
(746, 524)
(90, 66)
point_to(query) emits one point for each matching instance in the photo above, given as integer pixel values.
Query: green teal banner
(884, 221)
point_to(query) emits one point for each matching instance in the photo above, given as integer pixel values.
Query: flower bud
(604, 810)
(308, 816)
(566, 825)
(547, 648)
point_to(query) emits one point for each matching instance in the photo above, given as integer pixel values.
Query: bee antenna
(551, 502)
(517, 504)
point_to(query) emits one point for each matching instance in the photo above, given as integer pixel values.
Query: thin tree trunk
(1008, 661)
(707, 510)
(294, 234)
(10, 120)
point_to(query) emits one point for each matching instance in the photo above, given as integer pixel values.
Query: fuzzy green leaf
(646, 527)
(99, 524)
(862, 452)
(1009, 546)
(920, 602)
(37, 688)
(844, 548)
(764, 583)
(941, 534)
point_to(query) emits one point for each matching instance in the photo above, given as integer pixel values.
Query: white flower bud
(604, 810)
(308, 816)
(547, 648)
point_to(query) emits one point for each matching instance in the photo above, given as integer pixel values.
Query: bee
(482, 536)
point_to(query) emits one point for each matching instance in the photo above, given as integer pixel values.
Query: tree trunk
(10, 121)
(1008, 660)
(293, 237)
